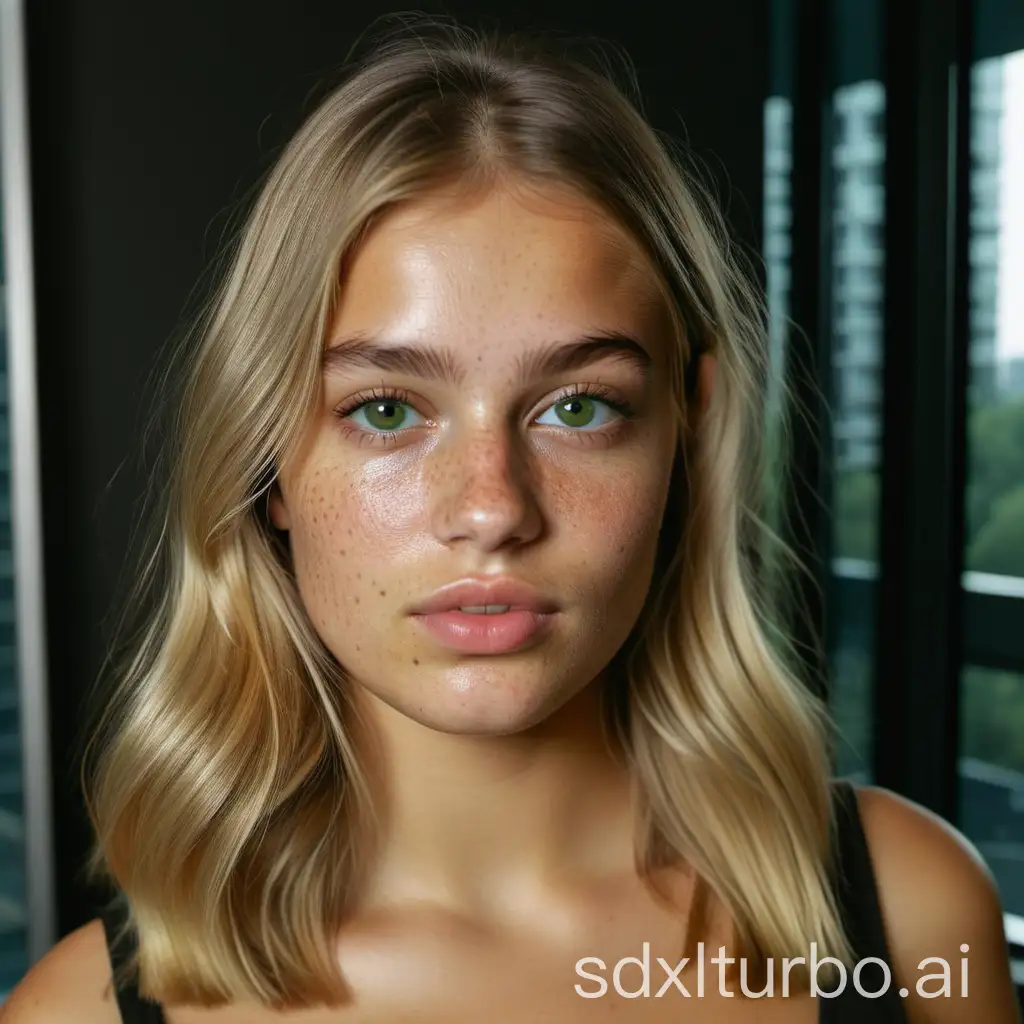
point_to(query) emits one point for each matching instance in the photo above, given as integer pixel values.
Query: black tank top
(854, 883)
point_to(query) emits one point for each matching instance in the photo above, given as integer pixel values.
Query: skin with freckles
(482, 477)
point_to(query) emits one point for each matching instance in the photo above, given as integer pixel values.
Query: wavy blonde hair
(239, 869)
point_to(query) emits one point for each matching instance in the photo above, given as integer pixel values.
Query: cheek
(348, 524)
(611, 519)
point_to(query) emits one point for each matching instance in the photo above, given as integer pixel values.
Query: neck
(471, 820)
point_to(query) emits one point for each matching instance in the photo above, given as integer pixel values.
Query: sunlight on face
(486, 451)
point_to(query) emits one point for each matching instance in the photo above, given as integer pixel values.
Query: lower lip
(485, 634)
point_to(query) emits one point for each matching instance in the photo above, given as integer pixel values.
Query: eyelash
(386, 438)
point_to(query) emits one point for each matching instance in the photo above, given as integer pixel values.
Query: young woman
(460, 699)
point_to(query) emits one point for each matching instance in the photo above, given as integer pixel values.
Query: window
(902, 264)
(991, 766)
(856, 147)
(26, 882)
(848, 281)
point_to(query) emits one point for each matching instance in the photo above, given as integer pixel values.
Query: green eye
(384, 414)
(578, 411)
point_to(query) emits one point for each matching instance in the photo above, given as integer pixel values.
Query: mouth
(486, 615)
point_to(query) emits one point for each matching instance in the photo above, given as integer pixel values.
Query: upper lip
(471, 592)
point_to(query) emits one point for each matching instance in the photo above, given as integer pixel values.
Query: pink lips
(528, 617)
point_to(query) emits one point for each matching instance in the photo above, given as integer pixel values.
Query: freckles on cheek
(355, 509)
(613, 520)
(384, 504)
(322, 540)
(350, 523)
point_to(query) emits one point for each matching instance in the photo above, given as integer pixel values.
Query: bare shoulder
(71, 983)
(941, 906)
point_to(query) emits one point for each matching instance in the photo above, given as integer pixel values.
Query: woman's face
(494, 405)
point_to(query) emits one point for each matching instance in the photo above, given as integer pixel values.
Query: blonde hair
(239, 868)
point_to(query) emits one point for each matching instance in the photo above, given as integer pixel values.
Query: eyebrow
(432, 363)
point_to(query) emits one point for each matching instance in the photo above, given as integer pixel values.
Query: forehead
(498, 269)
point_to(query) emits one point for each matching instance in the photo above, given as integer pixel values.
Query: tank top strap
(857, 895)
(121, 943)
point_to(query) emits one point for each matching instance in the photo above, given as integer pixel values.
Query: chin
(469, 705)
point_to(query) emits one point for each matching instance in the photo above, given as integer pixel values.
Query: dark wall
(148, 122)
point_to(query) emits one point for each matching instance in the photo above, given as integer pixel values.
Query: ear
(277, 508)
(706, 365)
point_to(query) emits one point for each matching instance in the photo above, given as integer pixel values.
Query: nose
(483, 494)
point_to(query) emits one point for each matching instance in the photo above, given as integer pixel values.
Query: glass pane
(995, 490)
(857, 289)
(13, 917)
(992, 776)
(777, 215)
(778, 165)
(857, 193)
(992, 697)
